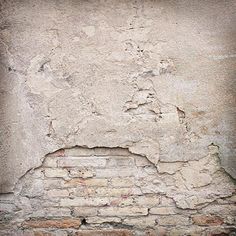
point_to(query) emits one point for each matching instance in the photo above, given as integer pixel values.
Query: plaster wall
(153, 80)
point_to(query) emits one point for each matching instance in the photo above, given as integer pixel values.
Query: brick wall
(110, 191)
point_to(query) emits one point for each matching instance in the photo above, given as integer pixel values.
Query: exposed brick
(57, 193)
(82, 201)
(111, 151)
(162, 211)
(208, 220)
(113, 232)
(85, 211)
(115, 172)
(81, 172)
(122, 182)
(123, 211)
(56, 173)
(113, 192)
(190, 231)
(57, 212)
(53, 223)
(147, 201)
(121, 201)
(52, 183)
(173, 220)
(51, 212)
(160, 231)
(92, 191)
(82, 162)
(117, 161)
(86, 182)
(142, 222)
(101, 220)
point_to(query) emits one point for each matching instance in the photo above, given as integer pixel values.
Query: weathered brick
(123, 211)
(113, 232)
(81, 172)
(122, 182)
(111, 151)
(115, 172)
(85, 211)
(82, 191)
(113, 192)
(163, 210)
(122, 201)
(147, 201)
(82, 162)
(191, 231)
(57, 193)
(53, 223)
(51, 211)
(82, 201)
(101, 220)
(208, 220)
(173, 220)
(118, 161)
(221, 231)
(87, 182)
(56, 173)
(52, 183)
(141, 222)
(57, 212)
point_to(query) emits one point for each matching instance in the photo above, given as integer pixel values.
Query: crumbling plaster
(155, 77)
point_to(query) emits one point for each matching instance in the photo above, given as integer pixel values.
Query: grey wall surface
(155, 77)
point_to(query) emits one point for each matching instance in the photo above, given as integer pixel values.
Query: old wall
(117, 117)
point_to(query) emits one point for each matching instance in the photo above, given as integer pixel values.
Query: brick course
(79, 188)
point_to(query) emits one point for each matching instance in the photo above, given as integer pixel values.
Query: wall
(117, 118)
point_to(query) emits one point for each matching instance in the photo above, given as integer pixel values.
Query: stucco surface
(141, 93)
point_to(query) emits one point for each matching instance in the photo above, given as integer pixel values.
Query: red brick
(53, 223)
(210, 220)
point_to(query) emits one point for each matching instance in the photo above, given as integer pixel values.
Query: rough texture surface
(117, 117)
